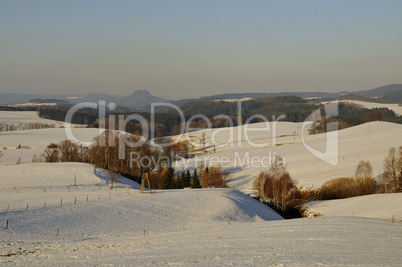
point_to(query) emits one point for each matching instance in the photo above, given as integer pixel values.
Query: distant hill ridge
(379, 91)
(391, 93)
(140, 98)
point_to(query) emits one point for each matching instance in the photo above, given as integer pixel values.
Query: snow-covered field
(381, 206)
(66, 213)
(34, 142)
(234, 100)
(16, 117)
(335, 241)
(215, 227)
(368, 141)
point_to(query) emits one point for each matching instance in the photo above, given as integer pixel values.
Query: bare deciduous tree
(364, 170)
(393, 170)
(51, 153)
(69, 151)
(112, 178)
(278, 187)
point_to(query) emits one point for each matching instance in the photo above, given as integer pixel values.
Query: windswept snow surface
(382, 206)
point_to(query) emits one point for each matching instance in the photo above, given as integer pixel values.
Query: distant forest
(168, 122)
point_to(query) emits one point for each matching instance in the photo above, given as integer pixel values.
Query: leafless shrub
(347, 187)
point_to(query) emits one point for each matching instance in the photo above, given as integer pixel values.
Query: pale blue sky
(193, 48)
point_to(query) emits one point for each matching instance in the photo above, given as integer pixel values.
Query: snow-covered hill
(382, 206)
(66, 213)
(120, 226)
(68, 183)
(368, 141)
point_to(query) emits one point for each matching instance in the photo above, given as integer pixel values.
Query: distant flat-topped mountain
(140, 98)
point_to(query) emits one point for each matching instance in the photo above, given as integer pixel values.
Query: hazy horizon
(182, 49)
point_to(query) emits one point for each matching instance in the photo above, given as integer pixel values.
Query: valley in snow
(66, 213)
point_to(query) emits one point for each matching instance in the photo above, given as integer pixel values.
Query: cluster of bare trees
(363, 182)
(277, 187)
(65, 151)
(7, 127)
(104, 152)
(215, 177)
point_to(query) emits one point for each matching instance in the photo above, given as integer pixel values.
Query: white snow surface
(120, 226)
(35, 142)
(382, 206)
(363, 142)
(334, 241)
(16, 117)
(162, 211)
(234, 100)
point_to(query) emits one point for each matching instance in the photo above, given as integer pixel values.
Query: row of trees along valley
(106, 155)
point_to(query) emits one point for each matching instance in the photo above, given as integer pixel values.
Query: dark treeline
(58, 113)
(169, 122)
(10, 108)
(295, 108)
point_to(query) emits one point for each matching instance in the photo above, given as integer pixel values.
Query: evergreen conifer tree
(187, 179)
(182, 180)
(179, 182)
(195, 180)
(167, 178)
